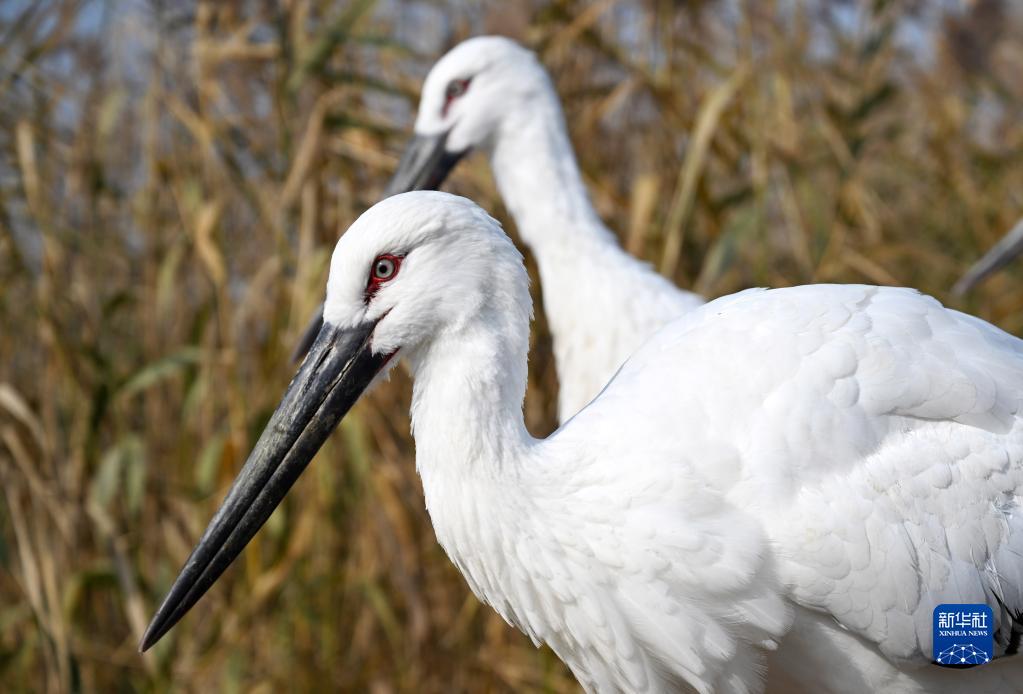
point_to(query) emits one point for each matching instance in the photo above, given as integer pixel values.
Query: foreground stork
(1000, 255)
(792, 478)
(489, 93)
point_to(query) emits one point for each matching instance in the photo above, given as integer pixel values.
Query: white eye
(455, 89)
(385, 267)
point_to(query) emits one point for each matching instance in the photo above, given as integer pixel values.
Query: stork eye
(384, 268)
(455, 89)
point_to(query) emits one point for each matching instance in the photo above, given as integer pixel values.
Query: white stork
(491, 94)
(780, 483)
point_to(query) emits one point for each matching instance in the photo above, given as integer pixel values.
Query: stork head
(466, 99)
(410, 269)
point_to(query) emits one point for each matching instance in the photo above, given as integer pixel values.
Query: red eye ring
(384, 269)
(455, 89)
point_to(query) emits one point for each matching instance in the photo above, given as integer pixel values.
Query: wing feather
(876, 441)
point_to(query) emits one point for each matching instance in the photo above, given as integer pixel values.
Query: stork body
(849, 453)
(788, 479)
(601, 303)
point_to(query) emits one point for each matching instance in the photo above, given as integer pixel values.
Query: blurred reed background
(173, 176)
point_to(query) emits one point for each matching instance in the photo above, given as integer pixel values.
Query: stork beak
(998, 257)
(424, 165)
(339, 367)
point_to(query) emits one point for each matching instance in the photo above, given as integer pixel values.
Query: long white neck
(601, 303)
(538, 177)
(471, 439)
(467, 400)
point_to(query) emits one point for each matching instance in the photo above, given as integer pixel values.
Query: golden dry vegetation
(173, 177)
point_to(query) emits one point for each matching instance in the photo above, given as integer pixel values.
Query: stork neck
(589, 282)
(538, 177)
(472, 446)
(468, 388)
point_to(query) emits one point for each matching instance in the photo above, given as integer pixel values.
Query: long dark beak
(998, 257)
(424, 165)
(339, 367)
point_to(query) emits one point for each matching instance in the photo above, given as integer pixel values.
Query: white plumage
(847, 457)
(774, 491)
(601, 303)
